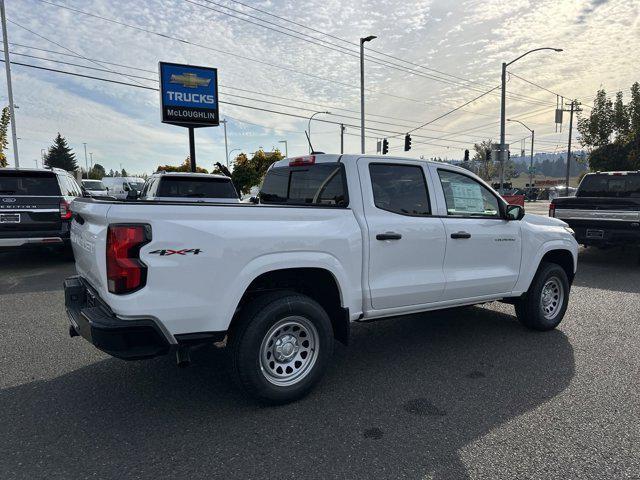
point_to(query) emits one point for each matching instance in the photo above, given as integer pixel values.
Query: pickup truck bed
(335, 239)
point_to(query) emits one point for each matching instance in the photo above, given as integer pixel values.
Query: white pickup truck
(334, 240)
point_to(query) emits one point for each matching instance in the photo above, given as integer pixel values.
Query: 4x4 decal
(184, 251)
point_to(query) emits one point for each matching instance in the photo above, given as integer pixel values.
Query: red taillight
(125, 272)
(65, 210)
(552, 210)
(299, 161)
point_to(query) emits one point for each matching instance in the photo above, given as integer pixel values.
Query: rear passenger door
(406, 243)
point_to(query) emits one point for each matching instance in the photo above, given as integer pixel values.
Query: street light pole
(362, 42)
(86, 162)
(309, 125)
(503, 150)
(342, 129)
(286, 147)
(7, 66)
(533, 136)
(234, 150)
(226, 148)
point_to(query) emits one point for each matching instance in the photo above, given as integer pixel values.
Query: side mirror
(126, 188)
(514, 212)
(132, 194)
(84, 192)
(254, 200)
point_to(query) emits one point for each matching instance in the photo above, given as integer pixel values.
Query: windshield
(196, 187)
(136, 185)
(19, 183)
(93, 185)
(603, 185)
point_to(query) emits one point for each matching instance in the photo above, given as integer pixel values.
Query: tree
(111, 173)
(596, 129)
(249, 172)
(4, 125)
(184, 167)
(124, 173)
(633, 110)
(60, 155)
(620, 119)
(605, 119)
(487, 167)
(97, 172)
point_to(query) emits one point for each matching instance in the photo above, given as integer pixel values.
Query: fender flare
(298, 259)
(527, 275)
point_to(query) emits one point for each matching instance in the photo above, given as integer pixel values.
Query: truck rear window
(610, 186)
(38, 184)
(192, 187)
(320, 184)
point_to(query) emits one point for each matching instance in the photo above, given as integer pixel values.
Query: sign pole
(192, 149)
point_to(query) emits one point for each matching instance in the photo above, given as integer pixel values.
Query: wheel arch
(317, 282)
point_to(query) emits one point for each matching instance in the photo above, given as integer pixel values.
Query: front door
(406, 243)
(483, 250)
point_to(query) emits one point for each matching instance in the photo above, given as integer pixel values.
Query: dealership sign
(189, 95)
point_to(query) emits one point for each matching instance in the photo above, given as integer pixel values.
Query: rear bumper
(95, 322)
(590, 235)
(18, 238)
(18, 242)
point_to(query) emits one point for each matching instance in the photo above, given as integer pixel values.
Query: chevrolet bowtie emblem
(190, 80)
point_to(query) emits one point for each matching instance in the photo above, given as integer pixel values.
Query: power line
(59, 45)
(252, 107)
(226, 93)
(146, 30)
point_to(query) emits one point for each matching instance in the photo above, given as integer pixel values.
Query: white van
(119, 187)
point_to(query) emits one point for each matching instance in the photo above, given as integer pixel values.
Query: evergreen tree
(97, 172)
(633, 110)
(124, 173)
(620, 118)
(111, 172)
(60, 155)
(596, 129)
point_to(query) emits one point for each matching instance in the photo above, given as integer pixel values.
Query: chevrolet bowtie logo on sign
(190, 80)
(189, 95)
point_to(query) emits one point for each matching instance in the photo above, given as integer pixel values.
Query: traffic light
(385, 146)
(407, 142)
(488, 154)
(466, 155)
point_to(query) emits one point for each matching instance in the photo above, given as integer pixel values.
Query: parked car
(94, 188)
(605, 210)
(34, 206)
(335, 239)
(189, 187)
(119, 187)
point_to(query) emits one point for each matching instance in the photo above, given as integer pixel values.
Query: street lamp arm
(518, 121)
(531, 51)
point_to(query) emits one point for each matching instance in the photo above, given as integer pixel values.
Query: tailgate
(29, 214)
(88, 239)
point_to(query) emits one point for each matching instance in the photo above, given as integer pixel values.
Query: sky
(298, 58)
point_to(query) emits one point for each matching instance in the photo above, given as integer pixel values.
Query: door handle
(388, 236)
(461, 235)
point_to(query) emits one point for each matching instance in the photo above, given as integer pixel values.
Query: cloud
(467, 39)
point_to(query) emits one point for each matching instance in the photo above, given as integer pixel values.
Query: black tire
(274, 317)
(538, 314)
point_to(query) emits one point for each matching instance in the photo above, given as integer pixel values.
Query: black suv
(34, 206)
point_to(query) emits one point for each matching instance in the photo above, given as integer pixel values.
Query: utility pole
(503, 106)
(362, 42)
(226, 148)
(7, 66)
(91, 160)
(86, 162)
(342, 138)
(574, 108)
(533, 137)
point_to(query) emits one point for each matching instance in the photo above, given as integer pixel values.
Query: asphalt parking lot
(466, 393)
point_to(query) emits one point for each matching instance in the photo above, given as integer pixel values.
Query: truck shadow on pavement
(402, 401)
(615, 269)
